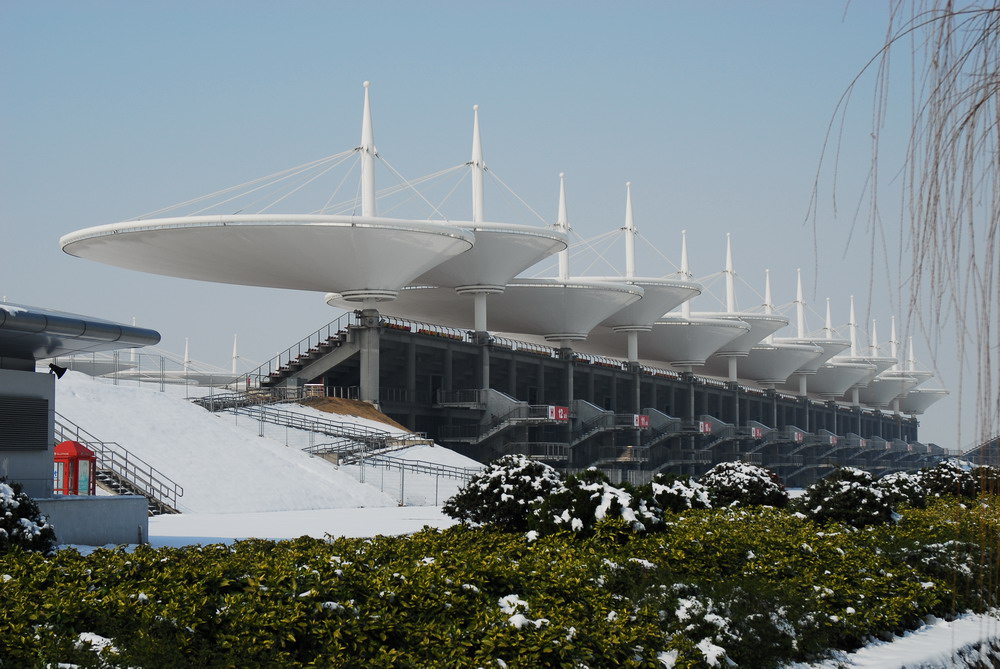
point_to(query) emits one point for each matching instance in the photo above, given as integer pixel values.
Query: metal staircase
(522, 414)
(290, 362)
(121, 472)
(349, 439)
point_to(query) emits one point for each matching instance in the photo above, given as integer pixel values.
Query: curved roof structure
(501, 252)
(360, 257)
(552, 308)
(658, 297)
(32, 333)
(761, 326)
(886, 387)
(687, 342)
(919, 400)
(836, 377)
(772, 363)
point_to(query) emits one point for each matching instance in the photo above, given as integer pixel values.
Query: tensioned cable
(263, 186)
(326, 206)
(518, 197)
(297, 189)
(660, 253)
(576, 250)
(389, 191)
(421, 195)
(269, 178)
(458, 182)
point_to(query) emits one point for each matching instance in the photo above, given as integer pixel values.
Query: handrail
(540, 450)
(521, 413)
(295, 351)
(421, 466)
(112, 456)
(275, 395)
(333, 428)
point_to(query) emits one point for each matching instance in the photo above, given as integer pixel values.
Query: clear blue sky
(715, 111)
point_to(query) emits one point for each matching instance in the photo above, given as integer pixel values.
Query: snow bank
(223, 469)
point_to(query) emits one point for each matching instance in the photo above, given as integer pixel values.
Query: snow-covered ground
(224, 465)
(238, 484)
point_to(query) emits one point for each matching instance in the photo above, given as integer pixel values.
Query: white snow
(224, 465)
(939, 643)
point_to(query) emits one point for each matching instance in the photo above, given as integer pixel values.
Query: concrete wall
(97, 521)
(32, 468)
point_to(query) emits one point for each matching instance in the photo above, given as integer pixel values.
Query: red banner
(558, 413)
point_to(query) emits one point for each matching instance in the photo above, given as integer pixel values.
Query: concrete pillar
(690, 381)
(411, 371)
(512, 377)
(369, 344)
(566, 355)
(735, 387)
(541, 382)
(448, 362)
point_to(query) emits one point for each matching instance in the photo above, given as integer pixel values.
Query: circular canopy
(761, 325)
(835, 378)
(359, 257)
(501, 252)
(774, 363)
(688, 341)
(659, 296)
(557, 310)
(831, 347)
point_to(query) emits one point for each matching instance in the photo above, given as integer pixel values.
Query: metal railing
(112, 457)
(477, 432)
(473, 397)
(420, 467)
(312, 343)
(253, 397)
(360, 433)
(538, 450)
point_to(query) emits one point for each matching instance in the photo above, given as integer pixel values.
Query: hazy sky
(715, 111)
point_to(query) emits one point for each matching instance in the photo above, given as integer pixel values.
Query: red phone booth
(75, 469)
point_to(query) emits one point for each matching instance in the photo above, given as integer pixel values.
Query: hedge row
(755, 586)
(517, 494)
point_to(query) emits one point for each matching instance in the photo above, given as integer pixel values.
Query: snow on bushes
(21, 523)
(504, 493)
(903, 489)
(589, 498)
(743, 484)
(948, 478)
(847, 496)
(676, 493)
(987, 479)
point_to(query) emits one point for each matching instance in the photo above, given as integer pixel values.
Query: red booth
(75, 469)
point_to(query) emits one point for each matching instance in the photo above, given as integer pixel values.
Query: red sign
(640, 420)
(756, 432)
(799, 436)
(558, 413)
(705, 427)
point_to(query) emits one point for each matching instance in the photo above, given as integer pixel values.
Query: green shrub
(987, 479)
(589, 498)
(903, 489)
(504, 493)
(848, 496)
(948, 478)
(675, 493)
(757, 586)
(743, 484)
(21, 523)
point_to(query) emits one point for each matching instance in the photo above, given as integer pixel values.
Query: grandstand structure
(442, 329)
